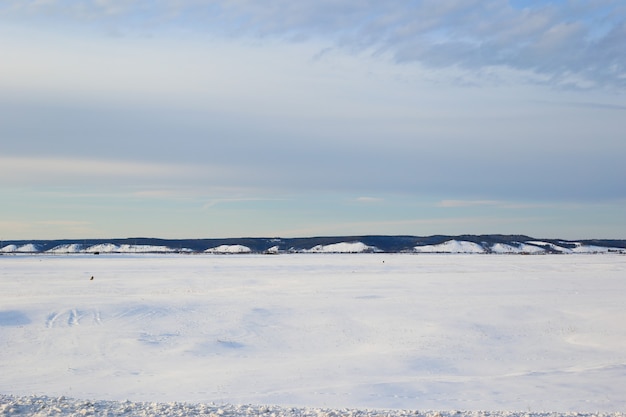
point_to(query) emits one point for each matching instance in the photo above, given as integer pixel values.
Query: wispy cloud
(52, 227)
(423, 226)
(13, 227)
(369, 200)
(220, 201)
(589, 105)
(41, 170)
(468, 203)
(572, 43)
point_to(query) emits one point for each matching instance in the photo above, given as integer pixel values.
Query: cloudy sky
(215, 118)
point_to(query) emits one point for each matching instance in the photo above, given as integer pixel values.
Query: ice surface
(427, 332)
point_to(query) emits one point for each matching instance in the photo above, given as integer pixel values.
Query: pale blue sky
(192, 118)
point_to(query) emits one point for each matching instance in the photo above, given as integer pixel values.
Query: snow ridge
(62, 406)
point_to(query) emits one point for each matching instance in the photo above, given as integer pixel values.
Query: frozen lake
(442, 332)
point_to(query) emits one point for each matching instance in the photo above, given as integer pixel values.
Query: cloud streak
(42, 170)
(570, 44)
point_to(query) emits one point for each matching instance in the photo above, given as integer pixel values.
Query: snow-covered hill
(517, 248)
(483, 244)
(342, 247)
(451, 246)
(527, 248)
(25, 248)
(229, 249)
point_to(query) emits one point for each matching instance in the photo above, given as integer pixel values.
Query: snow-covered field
(367, 331)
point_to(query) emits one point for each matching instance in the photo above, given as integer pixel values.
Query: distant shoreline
(475, 244)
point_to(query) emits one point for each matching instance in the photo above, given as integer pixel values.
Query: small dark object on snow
(91, 279)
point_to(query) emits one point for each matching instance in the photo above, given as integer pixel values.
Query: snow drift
(62, 406)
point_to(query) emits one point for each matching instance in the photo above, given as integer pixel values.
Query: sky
(275, 118)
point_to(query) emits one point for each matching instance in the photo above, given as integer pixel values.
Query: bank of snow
(62, 406)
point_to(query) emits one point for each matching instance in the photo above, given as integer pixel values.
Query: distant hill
(486, 244)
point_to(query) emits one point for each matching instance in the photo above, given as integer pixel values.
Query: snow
(552, 246)
(69, 248)
(104, 248)
(506, 248)
(229, 249)
(580, 248)
(125, 248)
(526, 248)
(273, 250)
(531, 247)
(110, 248)
(62, 406)
(28, 248)
(312, 334)
(451, 246)
(343, 247)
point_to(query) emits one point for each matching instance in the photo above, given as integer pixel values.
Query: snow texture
(28, 248)
(111, 248)
(62, 406)
(340, 334)
(557, 248)
(69, 248)
(452, 246)
(344, 247)
(229, 249)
